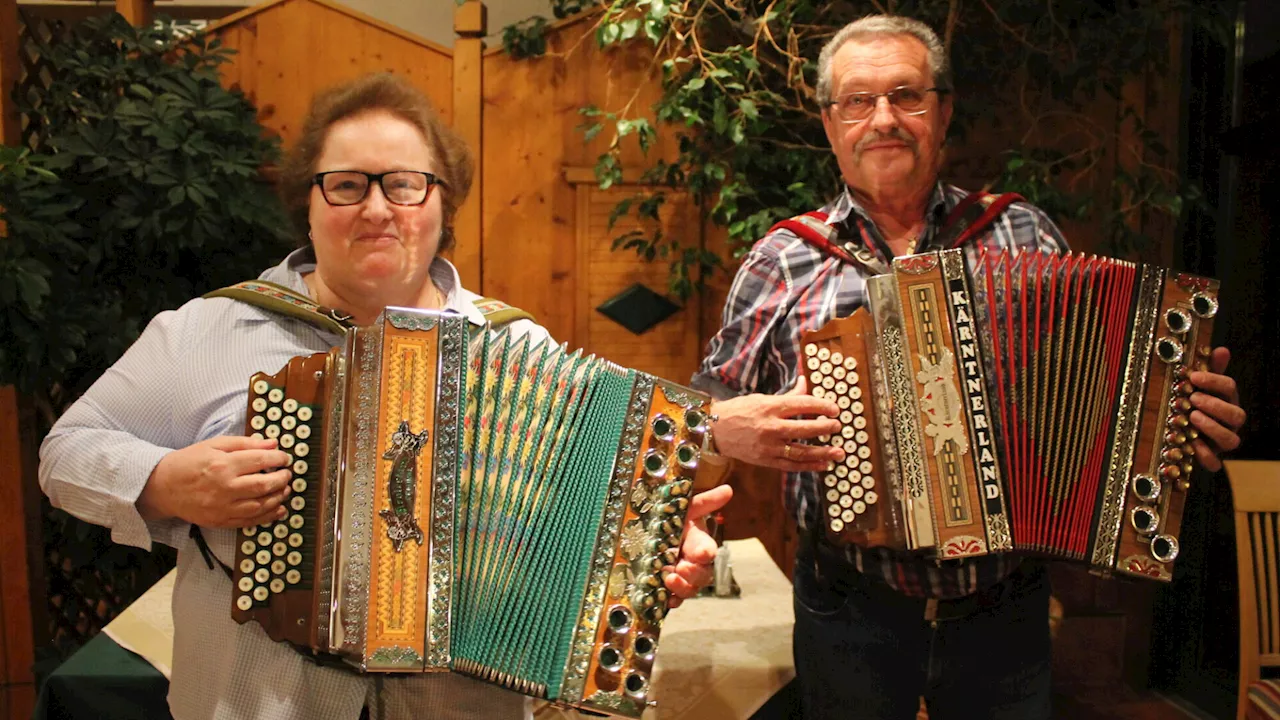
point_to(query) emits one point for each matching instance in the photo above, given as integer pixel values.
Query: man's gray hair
(881, 25)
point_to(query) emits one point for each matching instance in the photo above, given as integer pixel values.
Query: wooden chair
(1255, 492)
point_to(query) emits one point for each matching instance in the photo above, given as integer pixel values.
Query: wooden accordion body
(994, 402)
(468, 500)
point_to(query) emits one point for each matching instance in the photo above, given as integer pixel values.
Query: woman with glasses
(154, 450)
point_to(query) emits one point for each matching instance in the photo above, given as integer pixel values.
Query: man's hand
(693, 570)
(769, 430)
(1216, 411)
(219, 483)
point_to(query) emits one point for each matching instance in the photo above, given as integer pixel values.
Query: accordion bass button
(1172, 455)
(1180, 404)
(1179, 421)
(1164, 548)
(1170, 471)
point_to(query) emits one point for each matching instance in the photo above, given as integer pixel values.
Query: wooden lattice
(34, 33)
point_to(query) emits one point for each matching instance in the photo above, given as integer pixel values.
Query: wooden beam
(10, 73)
(21, 564)
(137, 12)
(470, 23)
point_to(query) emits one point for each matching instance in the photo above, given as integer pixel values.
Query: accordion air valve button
(1168, 349)
(1146, 487)
(664, 427)
(655, 464)
(1145, 520)
(1164, 548)
(610, 659)
(1204, 305)
(1177, 320)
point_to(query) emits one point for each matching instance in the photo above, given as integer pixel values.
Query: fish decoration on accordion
(994, 400)
(469, 500)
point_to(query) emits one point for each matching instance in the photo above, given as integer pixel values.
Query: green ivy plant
(140, 190)
(139, 187)
(739, 82)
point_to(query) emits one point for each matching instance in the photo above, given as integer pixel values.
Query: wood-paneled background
(534, 230)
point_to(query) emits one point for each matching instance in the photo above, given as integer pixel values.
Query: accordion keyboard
(278, 558)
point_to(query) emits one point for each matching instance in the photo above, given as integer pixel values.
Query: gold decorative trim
(1131, 391)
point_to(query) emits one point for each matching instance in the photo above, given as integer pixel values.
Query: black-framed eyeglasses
(858, 106)
(399, 187)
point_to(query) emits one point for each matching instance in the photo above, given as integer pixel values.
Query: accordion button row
(273, 559)
(848, 486)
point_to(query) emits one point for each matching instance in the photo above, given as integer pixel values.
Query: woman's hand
(222, 482)
(693, 571)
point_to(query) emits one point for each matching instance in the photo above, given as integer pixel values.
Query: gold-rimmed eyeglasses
(858, 106)
(399, 187)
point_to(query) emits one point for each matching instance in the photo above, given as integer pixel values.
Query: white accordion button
(829, 480)
(824, 354)
(861, 437)
(244, 602)
(279, 549)
(833, 510)
(851, 363)
(871, 497)
(261, 575)
(843, 401)
(295, 522)
(855, 492)
(288, 422)
(293, 576)
(300, 467)
(304, 414)
(842, 486)
(248, 548)
(303, 432)
(845, 501)
(258, 436)
(301, 449)
(260, 593)
(864, 452)
(297, 502)
(812, 363)
(295, 558)
(838, 372)
(837, 358)
(860, 422)
(295, 540)
(810, 349)
(276, 395)
(832, 496)
(257, 422)
(868, 481)
(277, 585)
(280, 531)
(850, 447)
(273, 414)
(846, 432)
(848, 516)
(246, 565)
(836, 524)
(859, 507)
(828, 382)
(263, 557)
(245, 584)
(290, 405)
(277, 567)
(259, 404)
(865, 467)
(260, 387)
(299, 485)
(249, 531)
(264, 538)
(273, 431)
(841, 387)
(286, 441)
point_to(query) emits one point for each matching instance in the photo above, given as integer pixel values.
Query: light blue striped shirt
(186, 380)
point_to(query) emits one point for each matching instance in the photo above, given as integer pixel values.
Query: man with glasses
(876, 630)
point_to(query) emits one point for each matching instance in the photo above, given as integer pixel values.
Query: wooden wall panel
(290, 49)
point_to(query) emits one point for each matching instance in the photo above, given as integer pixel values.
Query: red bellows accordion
(994, 401)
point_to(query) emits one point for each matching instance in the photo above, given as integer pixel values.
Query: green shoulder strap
(278, 298)
(499, 313)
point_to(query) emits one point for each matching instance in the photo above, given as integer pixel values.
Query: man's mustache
(894, 134)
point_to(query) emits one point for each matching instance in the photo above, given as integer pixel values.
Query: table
(721, 658)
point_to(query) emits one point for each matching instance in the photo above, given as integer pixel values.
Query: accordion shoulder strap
(280, 299)
(971, 216)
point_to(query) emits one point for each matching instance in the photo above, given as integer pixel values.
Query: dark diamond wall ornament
(638, 308)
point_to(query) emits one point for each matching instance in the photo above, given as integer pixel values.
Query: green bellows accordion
(471, 500)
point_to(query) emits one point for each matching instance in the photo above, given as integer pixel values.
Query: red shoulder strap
(812, 228)
(990, 206)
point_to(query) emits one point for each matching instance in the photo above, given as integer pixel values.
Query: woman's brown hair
(376, 92)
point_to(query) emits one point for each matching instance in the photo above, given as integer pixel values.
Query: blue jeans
(862, 650)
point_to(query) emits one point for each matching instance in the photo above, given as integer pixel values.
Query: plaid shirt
(786, 288)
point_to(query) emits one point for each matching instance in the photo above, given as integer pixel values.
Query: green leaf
(630, 27)
(748, 109)
(695, 84)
